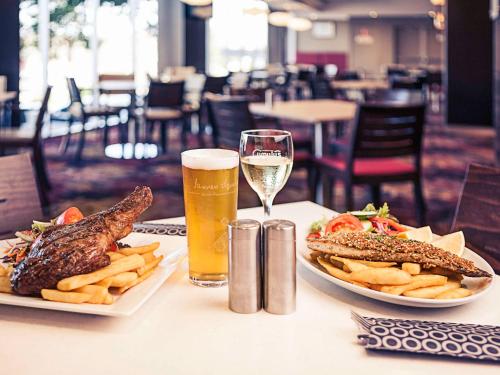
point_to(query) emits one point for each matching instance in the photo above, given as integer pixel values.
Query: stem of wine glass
(267, 202)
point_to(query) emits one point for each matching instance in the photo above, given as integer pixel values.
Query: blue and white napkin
(473, 341)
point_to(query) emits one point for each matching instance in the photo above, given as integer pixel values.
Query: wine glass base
(208, 283)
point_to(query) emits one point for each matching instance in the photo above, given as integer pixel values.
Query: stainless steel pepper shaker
(279, 266)
(245, 289)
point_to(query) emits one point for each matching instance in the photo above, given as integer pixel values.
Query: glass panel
(31, 65)
(146, 36)
(69, 52)
(237, 39)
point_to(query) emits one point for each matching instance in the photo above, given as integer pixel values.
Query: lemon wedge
(423, 234)
(453, 242)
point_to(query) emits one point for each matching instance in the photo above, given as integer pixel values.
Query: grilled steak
(375, 247)
(74, 249)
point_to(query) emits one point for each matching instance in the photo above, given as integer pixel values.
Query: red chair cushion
(370, 167)
(299, 156)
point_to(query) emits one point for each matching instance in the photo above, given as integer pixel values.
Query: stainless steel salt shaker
(279, 266)
(245, 290)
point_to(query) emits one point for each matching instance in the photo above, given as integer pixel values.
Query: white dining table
(184, 329)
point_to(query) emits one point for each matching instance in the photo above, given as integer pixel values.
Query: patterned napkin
(472, 341)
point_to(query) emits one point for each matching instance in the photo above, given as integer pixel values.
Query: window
(82, 38)
(237, 39)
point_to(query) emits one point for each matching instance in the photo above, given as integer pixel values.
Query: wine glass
(266, 160)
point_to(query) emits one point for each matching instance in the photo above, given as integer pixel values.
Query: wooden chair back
(477, 213)
(41, 115)
(163, 94)
(384, 131)
(116, 77)
(348, 75)
(321, 89)
(215, 85)
(19, 198)
(394, 96)
(74, 91)
(229, 117)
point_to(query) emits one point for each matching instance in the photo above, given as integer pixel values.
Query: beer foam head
(210, 159)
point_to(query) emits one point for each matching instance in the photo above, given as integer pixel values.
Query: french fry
(148, 257)
(113, 255)
(106, 283)
(418, 281)
(432, 291)
(352, 266)
(411, 268)
(136, 281)
(5, 286)
(375, 264)
(139, 249)
(109, 299)
(123, 279)
(334, 271)
(382, 276)
(67, 297)
(454, 293)
(142, 270)
(98, 293)
(128, 263)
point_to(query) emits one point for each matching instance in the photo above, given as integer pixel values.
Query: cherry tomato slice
(113, 247)
(313, 236)
(70, 216)
(345, 223)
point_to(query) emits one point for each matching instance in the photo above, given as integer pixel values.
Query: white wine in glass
(266, 161)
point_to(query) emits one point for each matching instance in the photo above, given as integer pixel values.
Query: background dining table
(317, 113)
(185, 329)
(362, 85)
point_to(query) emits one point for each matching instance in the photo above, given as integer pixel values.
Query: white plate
(173, 250)
(479, 285)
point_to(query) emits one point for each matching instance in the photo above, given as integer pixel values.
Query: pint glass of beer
(210, 178)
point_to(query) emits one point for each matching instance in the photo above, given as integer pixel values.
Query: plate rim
(396, 299)
(168, 268)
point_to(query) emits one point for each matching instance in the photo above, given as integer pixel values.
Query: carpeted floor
(99, 181)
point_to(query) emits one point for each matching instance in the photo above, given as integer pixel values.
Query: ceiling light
(279, 19)
(256, 8)
(438, 3)
(197, 3)
(299, 24)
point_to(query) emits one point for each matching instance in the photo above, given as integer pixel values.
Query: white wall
(339, 43)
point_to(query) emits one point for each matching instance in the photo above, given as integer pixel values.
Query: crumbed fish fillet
(376, 247)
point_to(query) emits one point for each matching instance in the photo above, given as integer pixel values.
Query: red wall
(322, 58)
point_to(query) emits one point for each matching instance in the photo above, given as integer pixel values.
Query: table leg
(319, 144)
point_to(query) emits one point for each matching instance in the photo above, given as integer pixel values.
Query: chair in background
(394, 96)
(164, 107)
(348, 75)
(83, 113)
(19, 199)
(31, 139)
(116, 86)
(383, 140)
(477, 212)
(407, 83)
(215, 85)
(321, 88)
(230, 116)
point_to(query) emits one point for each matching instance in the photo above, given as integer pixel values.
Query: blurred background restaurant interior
(134, 83)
